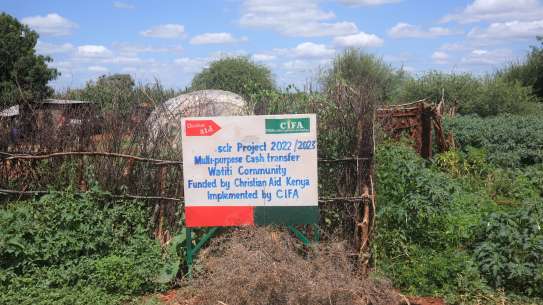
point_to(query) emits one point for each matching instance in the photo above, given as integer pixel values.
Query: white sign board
(250, 170)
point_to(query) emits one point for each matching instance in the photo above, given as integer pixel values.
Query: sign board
(250, 170)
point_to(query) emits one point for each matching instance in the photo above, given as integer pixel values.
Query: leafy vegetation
(236, 74)
(118, 93)
(78, 249)
(509, 251)
(454, 229)
(509, 141)
(358, 69)
(23, 74)
(528, 72)
(425, 217)
(485, 96)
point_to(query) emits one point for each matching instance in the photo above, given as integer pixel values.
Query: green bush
(503, 185)
(486, 96)
(236, 74)
(498, 96)
(509, 251)
(90, 243)
(457, 89)
(425, 220)
(509, 140)
(510, 186)
(118, 95)
(534, 174)
(528, 72)
(366, 72)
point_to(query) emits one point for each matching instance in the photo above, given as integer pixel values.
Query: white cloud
(129, 69)
(406, 30)
(124, 60)
(440, 57)
(51, 24)
(453, 47)
(311, 50)
(64, 66)
(367, 2)
(297, 18)
(51, 48)
(98, 69)
(216, 38)
(409, 69)
(303, 67)
(508, 30)
(263, 57)
(323, 29)
(192, 65)
(498, 10)
(123, 5)
(165, 31)
(132, 49)
(297, 65)
(93, 51)
(398, 58)
(488, 57)
(360, 40)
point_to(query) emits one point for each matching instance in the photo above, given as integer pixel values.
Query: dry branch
(11, 156)
(89, 153)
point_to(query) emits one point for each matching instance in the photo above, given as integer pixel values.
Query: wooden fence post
(365, 207)
(426, 136)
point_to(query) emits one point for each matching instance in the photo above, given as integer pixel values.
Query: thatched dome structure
(165, 121)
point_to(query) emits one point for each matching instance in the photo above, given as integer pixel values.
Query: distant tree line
(515, 89)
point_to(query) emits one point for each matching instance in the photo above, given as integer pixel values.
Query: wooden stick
(89, 153)
(132, 157)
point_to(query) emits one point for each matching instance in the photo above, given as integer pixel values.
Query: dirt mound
(264, 266)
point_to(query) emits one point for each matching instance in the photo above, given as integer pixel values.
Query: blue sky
(172, 40)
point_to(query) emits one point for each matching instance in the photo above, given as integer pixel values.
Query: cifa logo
(288, 124)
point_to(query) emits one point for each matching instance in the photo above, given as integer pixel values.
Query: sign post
(250, 170)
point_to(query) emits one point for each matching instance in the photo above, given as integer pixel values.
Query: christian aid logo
(200, 128)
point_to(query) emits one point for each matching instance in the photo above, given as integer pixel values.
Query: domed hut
(165, 121)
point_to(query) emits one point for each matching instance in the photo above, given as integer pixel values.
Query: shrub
(528, 72)
(457, 89)
(236, 74)
(363, 71)
(117, 94)
(509, 140)
(509, 251)
(87, 242)
(534, 174)
(486, 96)
(498, 96)
(424, 221)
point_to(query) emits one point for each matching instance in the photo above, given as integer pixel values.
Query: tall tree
(24, 75)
